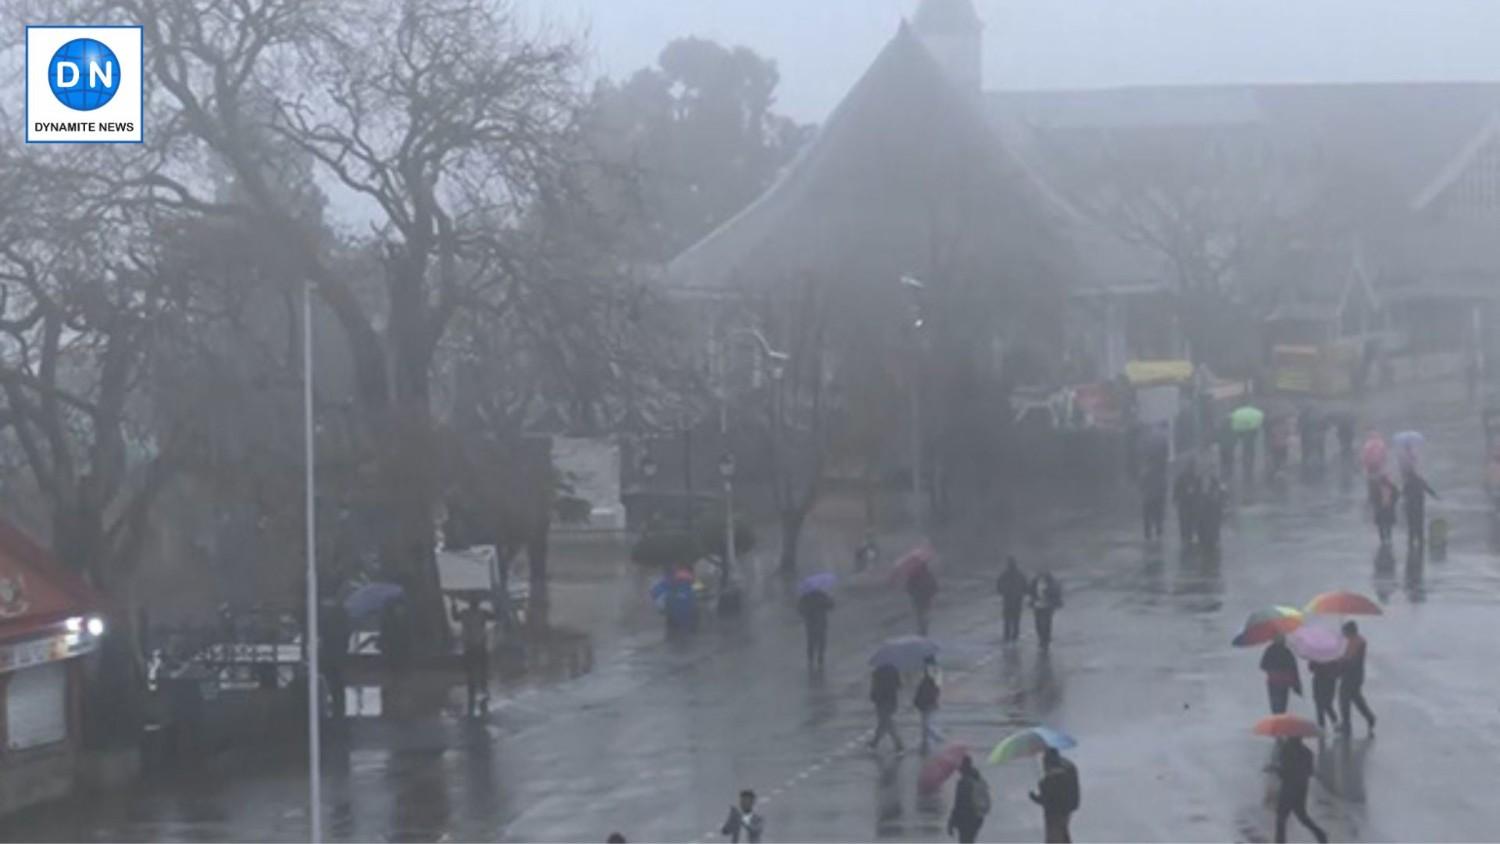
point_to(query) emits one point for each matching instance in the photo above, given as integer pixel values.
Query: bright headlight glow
(96, 626)
(74, 624)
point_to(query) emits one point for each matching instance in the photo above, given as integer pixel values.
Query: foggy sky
(823, 45)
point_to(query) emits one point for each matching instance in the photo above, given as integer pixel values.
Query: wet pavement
(658, 737)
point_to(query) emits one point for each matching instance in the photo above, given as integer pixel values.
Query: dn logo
(84, 74)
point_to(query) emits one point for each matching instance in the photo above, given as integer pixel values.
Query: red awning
(36, 591)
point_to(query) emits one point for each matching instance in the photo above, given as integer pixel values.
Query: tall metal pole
(314, 695)
(916, 444)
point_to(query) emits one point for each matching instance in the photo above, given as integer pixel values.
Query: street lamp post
(915, 287)
(314, 693)
(726, 464)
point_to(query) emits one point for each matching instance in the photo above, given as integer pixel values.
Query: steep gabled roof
(946, 17)
(902, 133)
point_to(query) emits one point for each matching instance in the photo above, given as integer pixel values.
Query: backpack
(981, 796)
(927, 694)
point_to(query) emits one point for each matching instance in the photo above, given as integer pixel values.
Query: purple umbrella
(823, 581)
(1317, 644)
(371, 598)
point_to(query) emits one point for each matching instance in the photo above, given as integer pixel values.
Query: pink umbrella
(1317, 644)
(1373, 454)
(912, 560)
(940, 766)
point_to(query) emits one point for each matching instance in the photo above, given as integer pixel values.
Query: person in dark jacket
(744, 821)
(1153, 498)
(1211, 512)
(922, 587)
(885, 686)
(1013, 588)
(1185, 497)
(1046, 599)
(1383, 497)
(1415, 489)
(925, 701)
(1352, 680)
(1282, 674)
(1325, 686)
(815, 607)
(971, 802)
(1059, 794)
(1294, 764)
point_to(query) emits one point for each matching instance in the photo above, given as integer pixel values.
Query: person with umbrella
(1294, 765)
(1059, 795)
(815, 605)
(1046, 599)
(922, 587)
(1282, 675)
(971, 802)
(1415, 489)
(1352, 680)
(1325, 686)
(1211, 499)
(1247, 421)
(925, 701)
(885, 686)
(1154, 497)
(1185, 496)
(1383, 497)
(1013, 588)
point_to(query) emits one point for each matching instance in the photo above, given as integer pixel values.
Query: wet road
(657, 740)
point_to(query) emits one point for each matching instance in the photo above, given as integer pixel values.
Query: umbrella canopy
(1317, 644)
(1030, 742)
(905, 653)
(823, 581)
(1343, 603)
(939, 767)
(1264, 625)
(1408, 439)
(371, 598)
(1246, 419)
(916, 558)
(1373, 454)
(1286, 726)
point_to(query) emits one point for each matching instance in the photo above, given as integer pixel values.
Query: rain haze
(652, 420)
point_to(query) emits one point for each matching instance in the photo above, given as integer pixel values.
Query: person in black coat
(1013, 588)
(1059, 795)
(1325, 686)
(922, 587)
(1210, 512)
(815, 607)
(971, 802)
(1282, 674)
(885, 687)
(1046, 599)
(1185, 496)
(1294, 764)
(1415, 489)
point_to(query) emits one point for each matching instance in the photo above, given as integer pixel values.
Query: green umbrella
(1246, 419)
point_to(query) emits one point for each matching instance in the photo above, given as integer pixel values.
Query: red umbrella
(940, 766)
(912, 560)
(1286, 726)
(1343, 603)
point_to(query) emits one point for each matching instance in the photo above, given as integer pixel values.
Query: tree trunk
(536, 560)
(791, 535)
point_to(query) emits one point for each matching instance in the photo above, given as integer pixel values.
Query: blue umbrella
(371, 598)
(905, 653)
(821, 582)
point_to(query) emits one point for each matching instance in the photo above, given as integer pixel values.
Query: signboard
(35, 707)
(18, 655)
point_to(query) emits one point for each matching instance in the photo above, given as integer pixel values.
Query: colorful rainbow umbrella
(1343, 603)
(1286, 726)
(1264, 625)
(1318, 644)
(939, 767)
(1030, 742)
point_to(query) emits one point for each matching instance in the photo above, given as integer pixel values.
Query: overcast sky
(823, 45)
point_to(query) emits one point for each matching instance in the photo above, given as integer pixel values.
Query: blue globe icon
(84, 74)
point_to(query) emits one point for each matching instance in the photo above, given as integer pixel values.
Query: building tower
(952, 32)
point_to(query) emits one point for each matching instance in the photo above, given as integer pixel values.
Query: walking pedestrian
(815, 607)
(1352, 680)
(1226, 450)
(1282, 675)
(1059, 795)
(867, 554)
(925, 701)
(1325, 685)
(473, 623)
(1383, 497)
(1415, 489)
(744, 821)
(1344, 424)
(922, 587)
(971, 802)
(885, 686)
(1154, 498)
(1278, 442)
(1046, 599)
(1247, 445)
(1211, 512)
(1294, 764)
(1013, 588)
(1185, 496)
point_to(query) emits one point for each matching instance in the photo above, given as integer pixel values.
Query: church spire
(954, 35)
